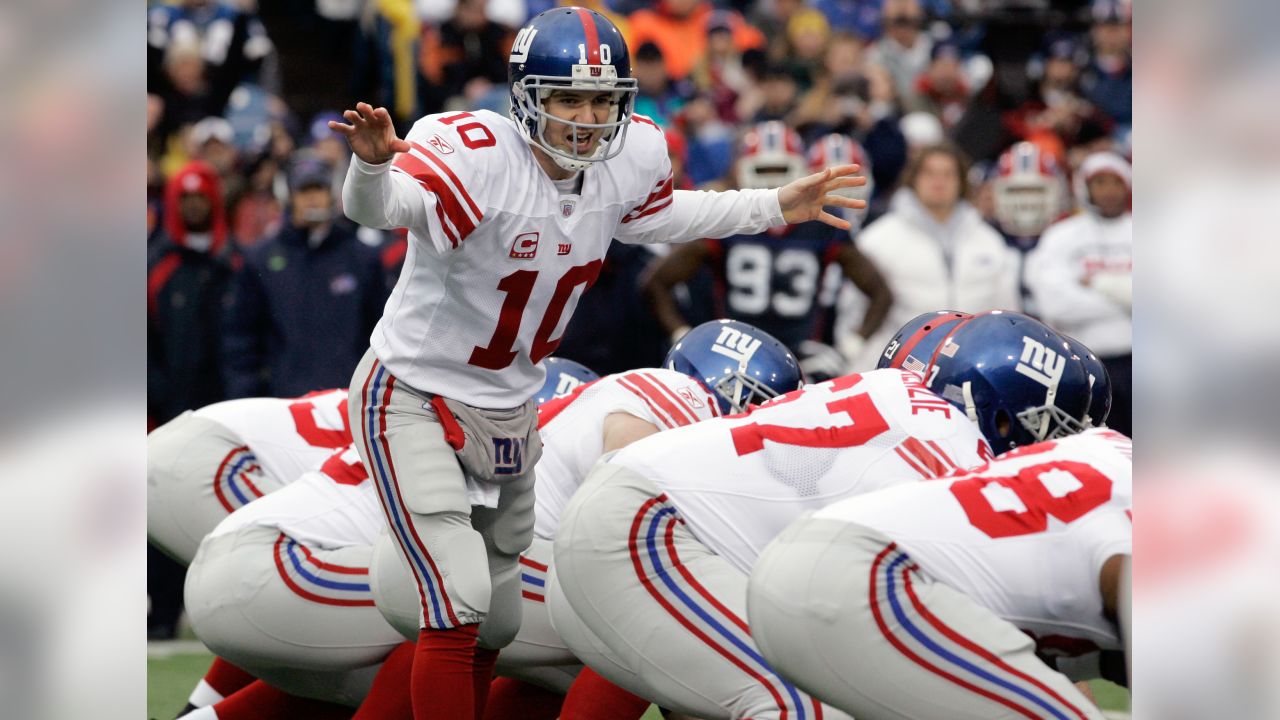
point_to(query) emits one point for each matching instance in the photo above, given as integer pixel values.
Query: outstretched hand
(804, 199)
(371, 134)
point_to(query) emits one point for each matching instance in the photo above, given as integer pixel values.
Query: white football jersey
(500, 256)
(332, 507)
(288, 436)
(738, 481)
(1026, 535)
(572, 429)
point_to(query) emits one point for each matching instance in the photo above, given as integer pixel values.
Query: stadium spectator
(1081, 274)
(658, 97)
(943, 88)
(1057, 116)
(463, 58)
(710, 142)
(720, 74)
(779, 92)
(934, 249)
(212, 140)
(857, 17)
(257, 213)
(904, 49)
(1108, 81)
(303, 305)
(679, 28)
(197, 52)
(187, 272)
(806, 41)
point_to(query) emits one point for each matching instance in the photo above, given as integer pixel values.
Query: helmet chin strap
(970, 408)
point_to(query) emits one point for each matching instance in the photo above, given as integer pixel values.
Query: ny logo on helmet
(523, 41)
(736, 345)
(1040, 363)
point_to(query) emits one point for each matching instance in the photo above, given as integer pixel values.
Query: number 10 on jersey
(518, 287)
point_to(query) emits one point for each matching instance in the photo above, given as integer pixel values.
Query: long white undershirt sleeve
(375, 197)
(696, 214)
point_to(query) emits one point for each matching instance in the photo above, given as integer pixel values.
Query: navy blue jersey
(772, 280)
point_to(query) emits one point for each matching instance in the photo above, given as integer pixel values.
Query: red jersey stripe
(673, 396)
(656, 395)
(446, 204)
(926, 458)
(462, 189)
(625, 383)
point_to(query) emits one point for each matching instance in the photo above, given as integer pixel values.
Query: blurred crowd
(996, 134)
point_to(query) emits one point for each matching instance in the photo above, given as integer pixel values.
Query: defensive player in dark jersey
(771, 279)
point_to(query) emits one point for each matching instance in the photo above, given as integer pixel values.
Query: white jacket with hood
(1081, 272)
(962, 265)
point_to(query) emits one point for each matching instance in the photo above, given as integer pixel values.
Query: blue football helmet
(739, 364)
(1100, 382)
(563, 377)
(1020, 381)
(913, 345)
(570, 48)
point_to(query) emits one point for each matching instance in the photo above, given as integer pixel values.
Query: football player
(509, 220)
(653, 552)
(771, 279)
(205, 464)
(929, 601)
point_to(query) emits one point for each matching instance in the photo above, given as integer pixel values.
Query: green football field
(173, 669)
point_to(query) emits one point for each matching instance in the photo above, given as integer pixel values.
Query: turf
(170, 679)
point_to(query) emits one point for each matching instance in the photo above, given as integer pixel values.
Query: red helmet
(1029, 190)
(839, 149)
(772, 155)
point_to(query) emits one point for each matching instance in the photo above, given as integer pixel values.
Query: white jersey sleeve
(667, 215)
(1026, 536)
(332, 507)
(739, 481)
(436, 190)
(288, 436)
(572, 429)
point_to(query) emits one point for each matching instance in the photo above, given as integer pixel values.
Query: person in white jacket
(1081, 274)
(934, 249)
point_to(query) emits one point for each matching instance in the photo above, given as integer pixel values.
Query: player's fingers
(847, 181)
(841, 201)
(341, 127)
(400, 145)
(354, 118)
(844, 170)
(834, 221)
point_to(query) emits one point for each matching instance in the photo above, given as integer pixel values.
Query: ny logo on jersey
(508, 456)
(525, 246)
(520, 48)
(1040, 363)
(440, 145)
(736, 345)
(564, 248)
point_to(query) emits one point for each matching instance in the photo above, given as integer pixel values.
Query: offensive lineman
(927, 601)
(204, 464)
(509, 221)
(654, 551)
(718, 368)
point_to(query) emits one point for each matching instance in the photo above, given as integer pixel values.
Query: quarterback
(509, 220)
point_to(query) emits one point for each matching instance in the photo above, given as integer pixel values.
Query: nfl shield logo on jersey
(566, 208)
